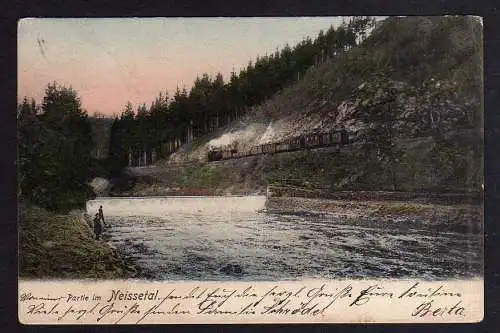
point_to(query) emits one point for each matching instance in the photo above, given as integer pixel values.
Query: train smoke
(243, 137)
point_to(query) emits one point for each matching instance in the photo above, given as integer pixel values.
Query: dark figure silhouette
(97, 226)
(101, 215)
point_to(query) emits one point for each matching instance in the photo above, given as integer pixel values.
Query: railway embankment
(425, 166)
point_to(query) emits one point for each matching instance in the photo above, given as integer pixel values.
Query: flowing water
(231, 238)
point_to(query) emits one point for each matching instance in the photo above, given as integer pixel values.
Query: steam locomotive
(314, 140)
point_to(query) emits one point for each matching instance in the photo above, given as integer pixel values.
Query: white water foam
(156, 206)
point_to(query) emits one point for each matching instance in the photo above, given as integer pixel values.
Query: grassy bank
(62, 246)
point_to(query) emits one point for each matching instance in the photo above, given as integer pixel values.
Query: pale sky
(112, 61)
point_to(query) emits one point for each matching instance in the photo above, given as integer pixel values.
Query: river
(232, 238)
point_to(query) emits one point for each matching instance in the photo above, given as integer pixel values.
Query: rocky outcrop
(232, 269)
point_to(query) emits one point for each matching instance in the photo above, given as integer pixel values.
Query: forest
(212, 102)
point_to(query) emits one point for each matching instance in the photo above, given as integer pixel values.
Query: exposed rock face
(232, 269)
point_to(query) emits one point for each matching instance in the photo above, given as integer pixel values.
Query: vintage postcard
(250, 170)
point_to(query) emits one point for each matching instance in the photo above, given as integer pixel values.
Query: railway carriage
(302, 142)
(311, 141)
(295, 143)
(326, 139)
(267, 148)
(214, 155)
(336, 138)
(344, 137)
(256, 150)
(282, 146)
(330, 138)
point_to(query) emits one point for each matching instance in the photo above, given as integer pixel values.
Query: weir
(155, 206)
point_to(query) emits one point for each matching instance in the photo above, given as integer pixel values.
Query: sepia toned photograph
(250, 150)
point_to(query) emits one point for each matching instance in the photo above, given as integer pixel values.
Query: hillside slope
(431, 70)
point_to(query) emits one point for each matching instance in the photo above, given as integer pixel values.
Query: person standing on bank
(101, 215)
(97, 226)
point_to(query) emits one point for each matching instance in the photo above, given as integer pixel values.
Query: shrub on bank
(62, 201)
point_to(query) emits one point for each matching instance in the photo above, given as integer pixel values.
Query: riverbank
(465, 218)
(63, 246)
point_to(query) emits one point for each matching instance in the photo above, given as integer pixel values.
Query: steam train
(314, 140)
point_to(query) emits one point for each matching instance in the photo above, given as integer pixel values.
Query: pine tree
(55, 146)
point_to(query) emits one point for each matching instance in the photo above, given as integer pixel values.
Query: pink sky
(112, 61)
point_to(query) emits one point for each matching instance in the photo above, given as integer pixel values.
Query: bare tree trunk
(393, 176)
